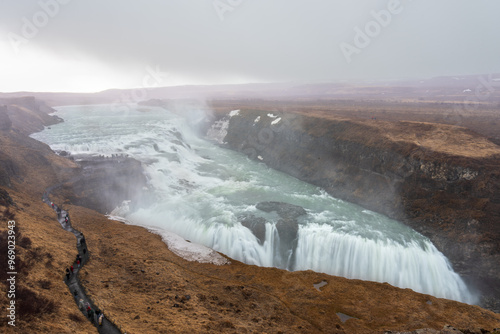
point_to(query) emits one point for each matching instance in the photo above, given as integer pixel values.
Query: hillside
(145, 288)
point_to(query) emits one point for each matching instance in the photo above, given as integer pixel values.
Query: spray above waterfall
(221, 199)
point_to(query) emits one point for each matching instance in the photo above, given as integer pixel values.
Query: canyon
(442, 180)
(405, 169)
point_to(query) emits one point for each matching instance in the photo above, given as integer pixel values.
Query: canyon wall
(443, 181)
(18, 118)
(96, 182)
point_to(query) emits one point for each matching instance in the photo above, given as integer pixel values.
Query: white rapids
(201, 192)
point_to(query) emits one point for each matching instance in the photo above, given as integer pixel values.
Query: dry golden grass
(441, 138)
(436, 126)
(232, 298)
(242, 298)
(50, 252)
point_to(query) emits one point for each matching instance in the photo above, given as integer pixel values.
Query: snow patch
(118, 219)
(234, 113)
(466, 90)
(260, 157)
(271, 115)
(276, 121)
(218, 130)
(183, 248)
(257, 119)
(191, 251)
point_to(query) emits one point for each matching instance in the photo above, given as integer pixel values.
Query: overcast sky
(92, 45)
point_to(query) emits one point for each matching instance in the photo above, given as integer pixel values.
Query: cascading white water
(419, 266)
(202, 192)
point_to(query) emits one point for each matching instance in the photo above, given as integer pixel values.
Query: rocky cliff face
(105, 182)
(18, 118)
(26, 114)
(424, 175)
(98, 183)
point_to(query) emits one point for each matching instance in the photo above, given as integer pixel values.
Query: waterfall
(200, 191)
(415, 265)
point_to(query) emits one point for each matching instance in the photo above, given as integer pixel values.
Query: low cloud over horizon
(76, 45)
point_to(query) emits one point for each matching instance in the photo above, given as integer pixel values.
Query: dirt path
(71, 279)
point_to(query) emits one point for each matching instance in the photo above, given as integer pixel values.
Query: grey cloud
(271, 40)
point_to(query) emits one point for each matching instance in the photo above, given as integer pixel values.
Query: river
(203, 192)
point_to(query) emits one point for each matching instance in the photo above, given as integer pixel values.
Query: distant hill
(455, 88)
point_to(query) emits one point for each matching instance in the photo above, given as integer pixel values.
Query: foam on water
(415, 264)
(201, 192)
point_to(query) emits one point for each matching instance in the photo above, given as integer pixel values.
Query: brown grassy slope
(483, 119)
(242, 298)
(34, 165)
(27, 114)
(234, 298)
(445, 139)
(40, 290)
(44, 250)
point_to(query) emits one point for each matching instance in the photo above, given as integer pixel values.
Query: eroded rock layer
(442, 180)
